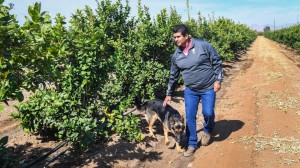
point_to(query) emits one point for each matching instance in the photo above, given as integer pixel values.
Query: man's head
(181, 28)
(181, 35)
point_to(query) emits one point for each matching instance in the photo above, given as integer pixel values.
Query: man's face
(180, 40)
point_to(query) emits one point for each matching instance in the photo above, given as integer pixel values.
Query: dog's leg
(151, 123)
(178, 148)
(147, 118)
(167, 142)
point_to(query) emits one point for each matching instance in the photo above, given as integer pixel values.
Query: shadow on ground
(22, 155)
(224, 128)
(116, 151)
(107, 156)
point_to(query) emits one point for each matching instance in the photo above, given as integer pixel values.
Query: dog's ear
(172, 121)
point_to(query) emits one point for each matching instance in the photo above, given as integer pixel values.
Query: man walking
(202, 72)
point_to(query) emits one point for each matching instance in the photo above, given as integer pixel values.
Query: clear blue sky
(255, 13)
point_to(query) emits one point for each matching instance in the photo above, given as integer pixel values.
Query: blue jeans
(192, 99)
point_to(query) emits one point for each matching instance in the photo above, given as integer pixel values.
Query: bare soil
(257, 123)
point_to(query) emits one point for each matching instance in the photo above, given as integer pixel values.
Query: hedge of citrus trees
(83, 76)
(289, 36)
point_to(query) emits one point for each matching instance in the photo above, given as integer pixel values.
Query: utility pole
(274, 25)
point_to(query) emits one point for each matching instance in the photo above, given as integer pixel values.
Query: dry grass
(229, 105)
(297, 85)
(275, 101)
(270, 75)
(287, 145)
(279, 145)
(290, 161)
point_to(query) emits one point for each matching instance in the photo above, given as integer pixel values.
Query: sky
(255, 13)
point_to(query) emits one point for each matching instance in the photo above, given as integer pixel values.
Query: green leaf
(34, 11)
(1, 108)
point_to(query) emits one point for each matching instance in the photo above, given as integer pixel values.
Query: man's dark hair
(181, 28)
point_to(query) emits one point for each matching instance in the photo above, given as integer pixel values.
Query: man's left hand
(217, 86)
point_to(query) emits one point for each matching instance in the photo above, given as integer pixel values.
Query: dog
(170, 118)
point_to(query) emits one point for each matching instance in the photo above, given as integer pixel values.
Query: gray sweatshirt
(200, 68)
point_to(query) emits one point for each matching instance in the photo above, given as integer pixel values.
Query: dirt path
(257, 123)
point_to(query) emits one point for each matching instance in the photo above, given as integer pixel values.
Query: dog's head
(177, 126)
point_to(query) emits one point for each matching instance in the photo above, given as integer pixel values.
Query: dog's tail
(139, 105)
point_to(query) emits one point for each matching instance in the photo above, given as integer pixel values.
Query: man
(202, 72)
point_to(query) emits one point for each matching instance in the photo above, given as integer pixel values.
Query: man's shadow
(224, 128)
(222, 131)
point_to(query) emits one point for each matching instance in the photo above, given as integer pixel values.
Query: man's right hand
(167, 101)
